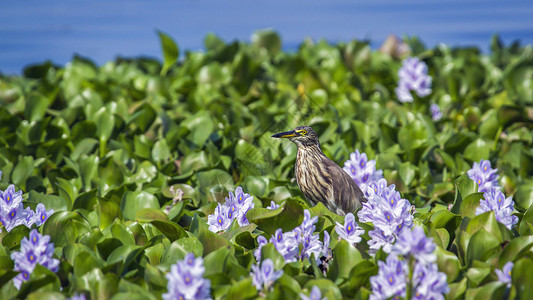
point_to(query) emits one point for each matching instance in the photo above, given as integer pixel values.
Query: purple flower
(413, 76)
(219, 221)
(362, 170)
(390, 280)
(185, 280)
(273, 205)
(428, 282)
(35, 250)
(379, 240)
(78, 297)
(41, 215)
(504, 275)
(235, 208)
(350, 231)
(484, 176)
(315, 294)
(436, 114)
(414, 243)
(261, 240)
(494, 200)
(13, 213)
(300, 243)
(263, 276)
(286, 244)
(388, 212)
(10, 199)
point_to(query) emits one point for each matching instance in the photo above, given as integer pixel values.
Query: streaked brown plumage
(319, 178)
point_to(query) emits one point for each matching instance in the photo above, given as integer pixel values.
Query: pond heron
(319, 178)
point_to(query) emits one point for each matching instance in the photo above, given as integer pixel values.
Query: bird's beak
(286, 134)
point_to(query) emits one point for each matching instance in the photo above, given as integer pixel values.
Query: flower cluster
(413, 76)
(350, 231)
(484, 176)
(391, 280)
(493, 199)
(389, 213)
(35, 250)
(362, 170)
(264, 275)
(412, 253)
(436, 114)
(13, 213)
(504, 275)
(235, 208)
(185, 280)
(298, 244)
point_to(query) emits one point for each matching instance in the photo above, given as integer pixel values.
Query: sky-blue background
(33, 31)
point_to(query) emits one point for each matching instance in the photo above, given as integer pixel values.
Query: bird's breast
(312, 176)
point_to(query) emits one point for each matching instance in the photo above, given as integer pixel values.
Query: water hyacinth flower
(436, 114)
(494, 200)
(350, 231)
(185, 280)
(13, 213)
(391, 280)
(413, 76)
(261, 240)
(273, 205)
(362, 170)
(78, 297)
(264, 275)
(428, 282)
(235, 208)
(315, 294)
(415, 244)
(388, 212)
(300, 243)
(219, 221)
(484, 176)
(504, 275)
(35, 250)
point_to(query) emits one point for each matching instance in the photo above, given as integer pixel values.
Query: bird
(319, 178)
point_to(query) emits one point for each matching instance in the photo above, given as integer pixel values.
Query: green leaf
(346, 257)
(469, 205)
(477, 150)
(290, 216)
(522, 277)
(22, 170)
(170, 51)
(50, 201)
(200, 126)
(64, 227)
(35, 107)
(448, 263)
(179, 248)
(481, 244)
(327, 288)
(132, 202)
(170, 229)
(12, 239)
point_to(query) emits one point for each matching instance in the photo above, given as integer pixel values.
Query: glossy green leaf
(170, 51)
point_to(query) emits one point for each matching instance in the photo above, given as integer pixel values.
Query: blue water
(34, 31)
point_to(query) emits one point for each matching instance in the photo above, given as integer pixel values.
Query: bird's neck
(306, 150)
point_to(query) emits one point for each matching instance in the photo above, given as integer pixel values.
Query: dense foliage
(133, 156)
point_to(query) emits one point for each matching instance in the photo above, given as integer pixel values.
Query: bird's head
(302, 136)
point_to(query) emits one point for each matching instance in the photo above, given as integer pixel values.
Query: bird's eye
(303, 132)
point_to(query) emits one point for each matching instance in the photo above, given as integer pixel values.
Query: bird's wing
(347, 193)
